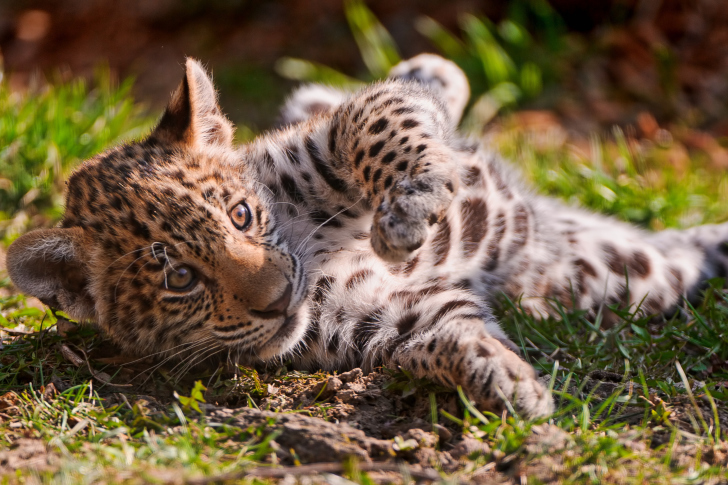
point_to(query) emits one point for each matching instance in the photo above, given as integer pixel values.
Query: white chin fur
(279, 346)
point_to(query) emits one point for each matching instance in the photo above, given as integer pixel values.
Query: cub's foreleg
(393, 140)
(461, 350)
(369, 318)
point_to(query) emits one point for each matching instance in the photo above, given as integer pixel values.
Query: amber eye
(240, 215)
(180, 279)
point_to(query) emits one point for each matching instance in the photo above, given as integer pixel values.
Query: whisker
(208, 345)
(326, 221)
(125, 255)
(116, 287)
(162, 352)
(200, 358)
(153, 368)
(168, 261)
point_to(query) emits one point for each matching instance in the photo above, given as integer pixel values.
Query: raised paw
(403, 220)
(442, 76)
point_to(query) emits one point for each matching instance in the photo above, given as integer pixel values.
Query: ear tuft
(193, 117)
(48, 264)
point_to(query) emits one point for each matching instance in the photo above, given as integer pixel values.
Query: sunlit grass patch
(633, 179)
(46, 131)
(90, 439)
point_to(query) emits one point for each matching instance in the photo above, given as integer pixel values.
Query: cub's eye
(240, 216)
(180, 279)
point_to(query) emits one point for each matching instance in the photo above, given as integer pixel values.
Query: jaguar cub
(363, 232)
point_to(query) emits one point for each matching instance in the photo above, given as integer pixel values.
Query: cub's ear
(193, 117)
(49, 264)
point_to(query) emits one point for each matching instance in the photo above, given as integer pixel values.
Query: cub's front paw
(403, 220)
(500, 374)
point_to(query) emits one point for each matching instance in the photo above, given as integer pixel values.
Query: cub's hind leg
(607, 262)
(310, 100)
(442, 76)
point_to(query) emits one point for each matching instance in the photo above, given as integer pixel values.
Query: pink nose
(277, 308)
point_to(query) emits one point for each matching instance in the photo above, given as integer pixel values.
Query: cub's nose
(277, 308)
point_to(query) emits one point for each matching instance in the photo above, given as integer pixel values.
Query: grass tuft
(46, 131)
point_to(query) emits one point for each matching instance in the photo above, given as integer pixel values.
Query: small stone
(49, 392)
(327, 388)
(444, 433)
(469, 447)
(423, 438)
(350, 376)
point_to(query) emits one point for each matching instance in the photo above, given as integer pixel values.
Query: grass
(46, 131)
(96, 441)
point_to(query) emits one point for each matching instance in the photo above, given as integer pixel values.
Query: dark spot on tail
(366, 328)
(377, 175)
(499, 229)
(323, 285)
(520, 229)
(332, 138)
(289, 186)
(452, 306)
(358, 158)
(411, 265)
(473, 177)
(387, 159)
(376, 148)
(333, 345)
(585, 267)
(323, 169)
(410, 123)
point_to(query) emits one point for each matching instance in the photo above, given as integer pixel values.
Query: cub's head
(169, 244)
